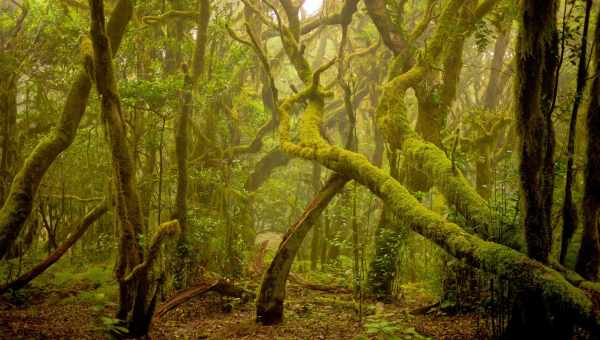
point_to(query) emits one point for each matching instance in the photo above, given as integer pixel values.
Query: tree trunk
(569, 210)
(494, 86)
(269, 304)
(8, 123)
(537, 62)
(136, 302)
(588, 261)
(183, 262)
(316, 230)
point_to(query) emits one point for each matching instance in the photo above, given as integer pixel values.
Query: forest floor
(74, 313)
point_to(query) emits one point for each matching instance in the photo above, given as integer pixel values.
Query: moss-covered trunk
(136, 301)
(269, 304)
(536, 54)
(8, 124)
(183, 263)
(588, 262)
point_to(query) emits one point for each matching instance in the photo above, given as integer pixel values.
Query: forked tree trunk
(269, 304)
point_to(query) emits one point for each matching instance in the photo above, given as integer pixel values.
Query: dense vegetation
(390, 169)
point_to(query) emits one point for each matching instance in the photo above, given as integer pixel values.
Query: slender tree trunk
(183, 265)
(8, 123)
(569, 210)
(494, 86)
(316, 230)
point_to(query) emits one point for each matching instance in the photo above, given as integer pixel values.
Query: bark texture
(536, 54)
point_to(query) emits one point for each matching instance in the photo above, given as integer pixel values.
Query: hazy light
(312, 7)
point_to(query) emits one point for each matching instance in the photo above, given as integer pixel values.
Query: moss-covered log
(18, 204)
(269, 304)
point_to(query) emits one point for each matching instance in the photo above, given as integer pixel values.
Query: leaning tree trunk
(269, 304)
(588, 261)
(82, 227)
(561, 297)
(19, 202)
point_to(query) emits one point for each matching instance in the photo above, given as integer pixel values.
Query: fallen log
(315, 286)
(221, 286)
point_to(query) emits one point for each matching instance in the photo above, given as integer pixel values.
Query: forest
(289, 169)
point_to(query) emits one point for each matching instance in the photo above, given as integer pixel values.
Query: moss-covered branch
(18, 204)
(165, 230)
(527, 274)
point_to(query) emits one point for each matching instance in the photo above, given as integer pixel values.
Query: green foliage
(112, 326)
(382, 328)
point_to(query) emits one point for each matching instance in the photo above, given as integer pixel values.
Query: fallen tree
(221, 286)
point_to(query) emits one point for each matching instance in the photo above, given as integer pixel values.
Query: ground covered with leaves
(81, 308)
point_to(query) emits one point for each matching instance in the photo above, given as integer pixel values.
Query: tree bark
(569, 210)
(537, 62)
